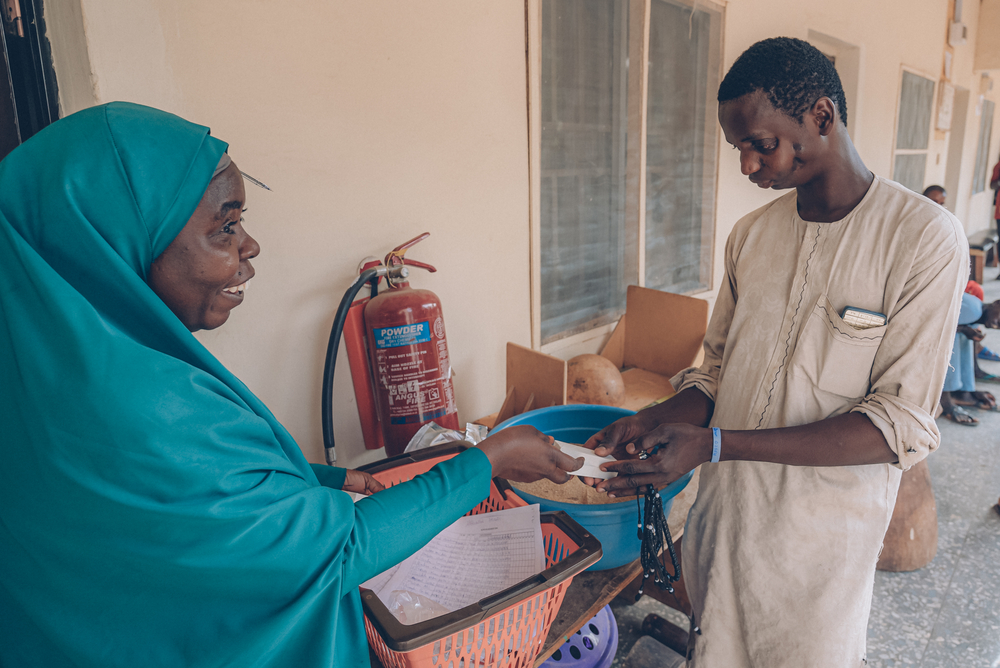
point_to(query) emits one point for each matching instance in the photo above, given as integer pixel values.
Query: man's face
(776, 151)
(938, 196)
(992, 315)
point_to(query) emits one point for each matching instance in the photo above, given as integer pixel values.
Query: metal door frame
(28, 88)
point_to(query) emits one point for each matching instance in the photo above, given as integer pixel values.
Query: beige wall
(988, 29)
(375, 121)
(975, 211)
(372, 122)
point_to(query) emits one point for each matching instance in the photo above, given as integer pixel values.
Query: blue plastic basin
(614, 524)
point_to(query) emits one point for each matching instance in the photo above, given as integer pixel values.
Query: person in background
(992, 356)
(995, 185)
(960, 381)
(959, 389)
(982, 352)
(153, 511)
(991, 320)
(936, 194)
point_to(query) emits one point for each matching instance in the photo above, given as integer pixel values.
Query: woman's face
(203, 273)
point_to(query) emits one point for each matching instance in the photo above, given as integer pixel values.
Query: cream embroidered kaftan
(780, 560)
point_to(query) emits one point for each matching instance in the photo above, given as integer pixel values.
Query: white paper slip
(591, 462)
(475, 557)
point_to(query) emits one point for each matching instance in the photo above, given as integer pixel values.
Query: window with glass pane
(590, 249)
(681, 145)
(983, 171)
(583, 237)
(913, 126)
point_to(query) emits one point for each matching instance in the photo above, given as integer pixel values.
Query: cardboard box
(660, 334)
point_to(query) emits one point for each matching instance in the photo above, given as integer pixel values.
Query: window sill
(589, 342)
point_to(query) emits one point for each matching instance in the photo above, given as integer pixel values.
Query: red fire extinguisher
(398, 352)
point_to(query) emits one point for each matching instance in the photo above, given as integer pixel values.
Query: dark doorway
(28, 94)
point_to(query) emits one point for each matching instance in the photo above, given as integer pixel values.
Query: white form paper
(475, 557)
(376, 583)
(591, 462)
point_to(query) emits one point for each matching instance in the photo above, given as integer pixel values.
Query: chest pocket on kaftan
(833, 356)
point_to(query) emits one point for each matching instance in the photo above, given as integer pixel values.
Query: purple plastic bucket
(593, 646)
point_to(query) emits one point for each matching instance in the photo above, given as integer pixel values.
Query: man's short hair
(930, 190)
(793, 74)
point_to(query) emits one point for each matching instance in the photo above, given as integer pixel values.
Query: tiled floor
(947, 614)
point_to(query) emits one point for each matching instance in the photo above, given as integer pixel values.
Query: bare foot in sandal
(984, 401)
(956, 414)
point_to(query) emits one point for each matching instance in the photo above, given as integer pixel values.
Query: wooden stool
(911, 540)
(981, 244)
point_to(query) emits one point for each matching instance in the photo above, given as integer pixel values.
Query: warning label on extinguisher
(403, 335)
(414, 372)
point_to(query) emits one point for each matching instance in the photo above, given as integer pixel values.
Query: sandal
(988, 377)
(959, 415)
(984, 401)
(989, 355)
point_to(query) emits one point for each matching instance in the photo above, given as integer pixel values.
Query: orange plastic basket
(506, 629)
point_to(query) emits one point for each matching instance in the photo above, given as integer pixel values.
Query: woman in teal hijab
(152, 510)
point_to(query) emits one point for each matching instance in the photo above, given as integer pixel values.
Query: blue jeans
(961, 374)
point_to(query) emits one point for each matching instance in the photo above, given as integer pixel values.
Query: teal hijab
(153, 512)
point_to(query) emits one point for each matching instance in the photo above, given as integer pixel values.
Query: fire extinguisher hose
(367, 275)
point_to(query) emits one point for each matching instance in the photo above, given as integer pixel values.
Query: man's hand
(361, 483)
(525, 454)
(612, 440)
(682, 447)
(689, 407)
(971, 333)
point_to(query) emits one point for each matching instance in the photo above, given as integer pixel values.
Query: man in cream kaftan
(766, 542)
(815, 418)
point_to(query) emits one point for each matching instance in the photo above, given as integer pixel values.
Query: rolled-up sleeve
(909, 368)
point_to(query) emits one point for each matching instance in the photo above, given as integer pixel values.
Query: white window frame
(848, 65)
(930, 125)
(635, 195)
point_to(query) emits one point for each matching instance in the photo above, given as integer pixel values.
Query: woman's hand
(682, 447)
(361, 483)
(524, 454)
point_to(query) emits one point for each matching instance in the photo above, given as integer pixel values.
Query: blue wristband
(716, 444)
